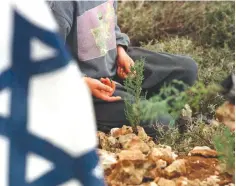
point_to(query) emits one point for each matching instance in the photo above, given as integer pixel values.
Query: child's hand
(109, 83)
(101, 90)
(124, 63)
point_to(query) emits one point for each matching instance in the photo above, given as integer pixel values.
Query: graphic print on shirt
(97, 35)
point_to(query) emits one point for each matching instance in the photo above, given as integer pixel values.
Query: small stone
(162, 153)
(211, 181)
(181, 181)
(112, 140)
(177, 168)
(153, 184)
(107, 159)
(116, 132)
(156, 169)
(165, 182)
(136, 177)
(126, 138)
(161, 164)
(128, 172)
(151, 144)
(154, 173)
(142, 134)
(149, 184)
(131, 155)
(137, 144)
(203, 151)
(195, 182)
(103, 141)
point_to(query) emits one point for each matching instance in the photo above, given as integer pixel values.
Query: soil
(201, 168)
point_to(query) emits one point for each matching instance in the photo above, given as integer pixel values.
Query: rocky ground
(135, 159)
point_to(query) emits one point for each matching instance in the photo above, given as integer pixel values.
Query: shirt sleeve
(121, 38)
(63, 14)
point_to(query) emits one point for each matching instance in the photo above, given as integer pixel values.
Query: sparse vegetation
(207, 23)
(204, 31)
(171, 101)
(225, 146)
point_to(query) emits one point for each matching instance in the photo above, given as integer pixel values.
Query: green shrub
(225, 145)
(197, 133)
(155, 20)
(207, 23)
(213, 65)
(218, 27)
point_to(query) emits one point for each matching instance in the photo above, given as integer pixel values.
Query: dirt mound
(135, 159)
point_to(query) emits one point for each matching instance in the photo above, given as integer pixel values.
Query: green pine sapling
(133, 86)
(225, 146)
(170, 100)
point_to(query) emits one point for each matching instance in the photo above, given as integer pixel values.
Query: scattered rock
(103, 142)
(181, 181)
(149, 184)
(136, 176)
(163, 153)
(165, 182)
(177, 168)
(132, 155)
(211, 181)
(161, 164)
(132, 159)
(107, 159)
(195, 182)
(203, 151)
(112, 140)
(116, 132)
(157, 169)
(128, 172)
(142, 134)
(125, 139)
(137, 144)
(151, 144)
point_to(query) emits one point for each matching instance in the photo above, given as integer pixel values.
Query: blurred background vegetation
(203, 30)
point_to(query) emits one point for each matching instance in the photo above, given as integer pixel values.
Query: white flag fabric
(47, 124)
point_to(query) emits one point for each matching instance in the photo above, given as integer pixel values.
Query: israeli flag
(47, 124)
